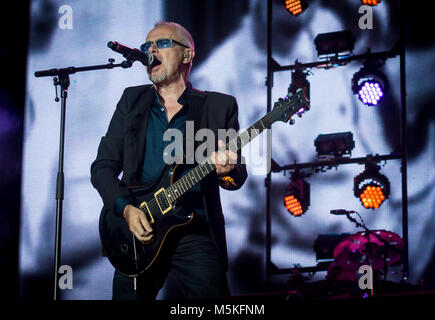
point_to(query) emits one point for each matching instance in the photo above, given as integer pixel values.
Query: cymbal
(358, 249)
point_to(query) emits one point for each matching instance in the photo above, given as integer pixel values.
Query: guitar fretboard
(188, 181)
(282, 110)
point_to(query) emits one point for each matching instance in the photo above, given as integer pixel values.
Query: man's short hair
(185, 35)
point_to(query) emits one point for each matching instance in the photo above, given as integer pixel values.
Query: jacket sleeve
(236, 177)
(109, 162)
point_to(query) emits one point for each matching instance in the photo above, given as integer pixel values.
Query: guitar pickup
(162, 200)
(145, 205)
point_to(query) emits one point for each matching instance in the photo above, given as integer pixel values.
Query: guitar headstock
(285, 108)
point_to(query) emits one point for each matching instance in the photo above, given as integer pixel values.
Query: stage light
(297, 196)
(334, 144)
(295, 7)
(334, 44)
(371, 187)
(371, 2)
(370, 84)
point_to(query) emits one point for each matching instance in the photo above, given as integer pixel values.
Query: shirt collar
(183, 99)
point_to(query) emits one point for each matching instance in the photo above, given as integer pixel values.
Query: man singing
(134, 145)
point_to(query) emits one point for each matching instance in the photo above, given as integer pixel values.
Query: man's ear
(188, 55)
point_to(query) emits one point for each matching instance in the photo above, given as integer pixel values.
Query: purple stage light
(370, 93)
(370, 84)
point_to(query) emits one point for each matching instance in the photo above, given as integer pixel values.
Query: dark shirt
(155, 145)
(154, 163)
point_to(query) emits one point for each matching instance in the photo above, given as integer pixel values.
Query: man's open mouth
(155, 63)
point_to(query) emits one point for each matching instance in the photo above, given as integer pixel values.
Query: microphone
(339, 212)
(146, 58)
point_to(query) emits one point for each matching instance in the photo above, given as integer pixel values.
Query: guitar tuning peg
(299, 114)
(292, 121)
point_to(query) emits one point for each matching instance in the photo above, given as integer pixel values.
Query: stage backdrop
(231, 59)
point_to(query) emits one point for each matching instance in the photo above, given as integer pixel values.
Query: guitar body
(127, 254)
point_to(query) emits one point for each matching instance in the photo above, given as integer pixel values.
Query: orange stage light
(295, 7)
(371, 2)
(371, 187)
(297, 196)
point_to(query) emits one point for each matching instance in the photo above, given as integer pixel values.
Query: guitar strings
(267, 117)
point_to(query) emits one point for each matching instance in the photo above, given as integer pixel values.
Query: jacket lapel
(143, 105)
(194, 113)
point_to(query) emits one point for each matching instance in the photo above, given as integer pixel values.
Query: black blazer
(122, 149)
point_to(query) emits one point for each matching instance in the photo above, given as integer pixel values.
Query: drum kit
(343, 255)
(376, 248)
(352, 262)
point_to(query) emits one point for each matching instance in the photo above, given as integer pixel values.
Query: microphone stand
(62, 79)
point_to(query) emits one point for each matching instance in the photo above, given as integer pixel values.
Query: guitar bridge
(162, 200)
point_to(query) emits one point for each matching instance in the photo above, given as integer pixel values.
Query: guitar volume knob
(124, 248)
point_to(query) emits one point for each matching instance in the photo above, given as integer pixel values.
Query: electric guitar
(158, 200)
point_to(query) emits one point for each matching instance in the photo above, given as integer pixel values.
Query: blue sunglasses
(161, 44)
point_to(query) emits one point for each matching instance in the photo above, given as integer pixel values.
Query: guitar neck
(184, 184)
(283, 110)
